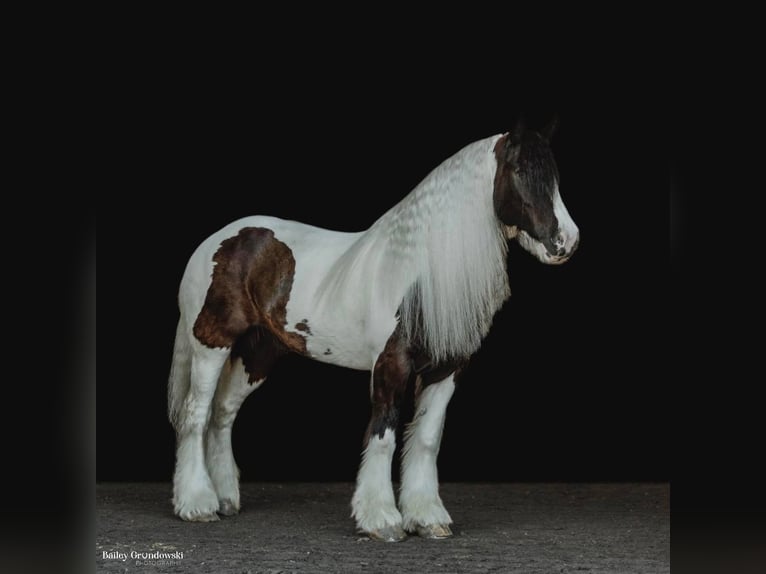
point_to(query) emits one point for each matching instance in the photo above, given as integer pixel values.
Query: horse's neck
(439, 252)
(455, 190)
(438, 256)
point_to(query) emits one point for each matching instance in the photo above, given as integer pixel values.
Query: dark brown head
(526, 195)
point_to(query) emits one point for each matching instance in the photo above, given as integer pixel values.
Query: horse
(409, 300)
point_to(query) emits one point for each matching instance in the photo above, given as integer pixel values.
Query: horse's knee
(427, 428)
(429, 439)
(195, 416)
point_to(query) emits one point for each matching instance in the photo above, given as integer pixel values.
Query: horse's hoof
(388, 534)
(436, 531)
(227, 508)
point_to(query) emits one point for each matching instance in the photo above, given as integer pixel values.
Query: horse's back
(303, 241)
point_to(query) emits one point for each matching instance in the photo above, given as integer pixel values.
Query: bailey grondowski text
(136, 555)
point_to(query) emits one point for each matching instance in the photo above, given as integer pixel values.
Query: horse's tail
(180, 373)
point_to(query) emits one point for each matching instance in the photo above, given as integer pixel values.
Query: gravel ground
(302, 527)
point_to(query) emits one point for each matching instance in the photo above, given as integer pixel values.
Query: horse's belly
(338, 329)
(344, 349)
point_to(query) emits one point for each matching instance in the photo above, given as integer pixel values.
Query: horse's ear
(518, 130)
(547, 131)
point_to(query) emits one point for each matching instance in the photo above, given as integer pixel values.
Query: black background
(132, 133)
(572, 382)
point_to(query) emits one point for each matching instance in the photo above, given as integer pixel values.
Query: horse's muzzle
(564, 249)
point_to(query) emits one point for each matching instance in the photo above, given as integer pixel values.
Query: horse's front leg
(419, 498)
(373, 505)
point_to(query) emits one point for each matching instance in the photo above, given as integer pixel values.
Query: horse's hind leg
(180, 373)
(193, 495)
(232, 391)
(419, 500)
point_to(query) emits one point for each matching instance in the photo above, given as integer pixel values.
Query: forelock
(536, 162)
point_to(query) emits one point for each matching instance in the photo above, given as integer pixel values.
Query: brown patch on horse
(400, 363)
(246, 304)
(259, 350)
(524, 179)
(303, 326)
(389, 381)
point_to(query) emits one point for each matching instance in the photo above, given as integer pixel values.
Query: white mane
(438, 257)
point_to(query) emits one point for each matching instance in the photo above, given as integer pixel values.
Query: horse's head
(526, 195)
